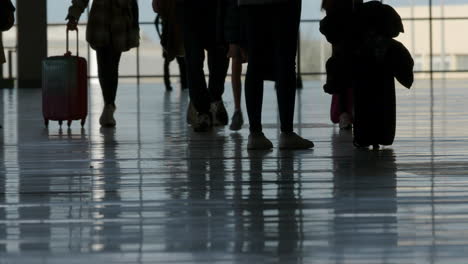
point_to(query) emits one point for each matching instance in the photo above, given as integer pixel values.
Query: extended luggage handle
(77, 43)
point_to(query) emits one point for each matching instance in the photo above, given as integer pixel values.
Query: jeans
(272, 33)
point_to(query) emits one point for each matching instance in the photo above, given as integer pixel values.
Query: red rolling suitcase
(65, 87)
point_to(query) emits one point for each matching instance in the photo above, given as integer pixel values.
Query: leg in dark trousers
(218, 64)
(182, 72)
(256, 34)
(285, 59)
(108, 61)
(167, 73)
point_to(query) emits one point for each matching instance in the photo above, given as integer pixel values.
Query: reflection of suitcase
(65, 88)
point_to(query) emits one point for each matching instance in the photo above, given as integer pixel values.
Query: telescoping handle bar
(77, 42)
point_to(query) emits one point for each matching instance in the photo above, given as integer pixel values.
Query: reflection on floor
(151, 191)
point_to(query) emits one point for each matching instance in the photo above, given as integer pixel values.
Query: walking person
(203, 30)
(265, 29)
(164, 29)
(233, 36)
(7, 20)
(112, 29)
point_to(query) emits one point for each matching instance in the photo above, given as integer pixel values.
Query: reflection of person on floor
(113, 28)
(265, 29)
(111, 234)
(204, 223)
(257, 220)
(169, 58)
(289, 206)
(364, 199)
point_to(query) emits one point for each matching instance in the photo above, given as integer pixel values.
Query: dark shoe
(107, 116)
(220, 116)
(359, 145)
(258, 141)
(237, 121)
(293, 141)
(203, 123)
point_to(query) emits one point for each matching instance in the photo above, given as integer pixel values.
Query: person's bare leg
(236, 82)
(236, 58)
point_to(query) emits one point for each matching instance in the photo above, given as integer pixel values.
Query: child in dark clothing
(366, 57)
(339, 30)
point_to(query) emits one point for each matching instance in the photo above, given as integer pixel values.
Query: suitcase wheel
(46, 122)
(83, 121)
(69, 122)
(60, 122)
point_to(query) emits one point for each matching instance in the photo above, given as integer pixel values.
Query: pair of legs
(108, 60)
(202, 32)
(265, 31)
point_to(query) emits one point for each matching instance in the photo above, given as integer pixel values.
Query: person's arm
(74, 13)
(156, 6)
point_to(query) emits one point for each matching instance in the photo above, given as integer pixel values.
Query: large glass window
(448, 51)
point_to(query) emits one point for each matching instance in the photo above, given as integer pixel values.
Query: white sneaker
(107, 116)
(293, 141)
(345, 121)
(258, 141)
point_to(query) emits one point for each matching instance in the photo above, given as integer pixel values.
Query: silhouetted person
(366, 56)
(168, 58)
(339, 29)
(112, 29)
(272, 24)
(202, 27)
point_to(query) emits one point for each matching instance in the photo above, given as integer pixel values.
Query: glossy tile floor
(151, 191)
